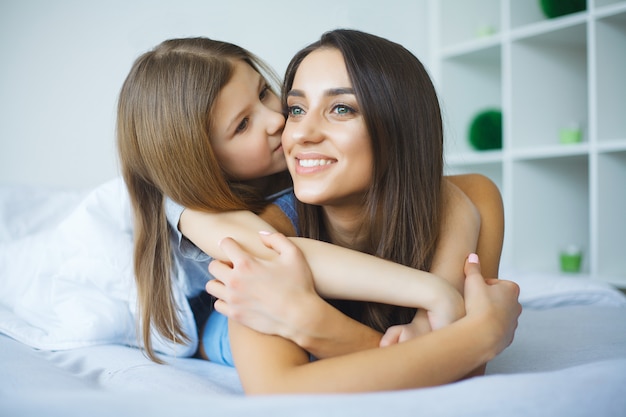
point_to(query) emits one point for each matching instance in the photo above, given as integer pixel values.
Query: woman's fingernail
(264, 233)
(472, 258)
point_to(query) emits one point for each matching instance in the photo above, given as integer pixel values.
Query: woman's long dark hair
(404, 204)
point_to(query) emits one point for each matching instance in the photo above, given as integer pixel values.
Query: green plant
(556, 8)
(485, 131)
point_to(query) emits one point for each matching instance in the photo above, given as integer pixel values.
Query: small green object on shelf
(571, 259)
(556, 8)
(485, 131)
(570, 135)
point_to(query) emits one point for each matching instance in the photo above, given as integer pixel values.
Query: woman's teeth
(314, 162)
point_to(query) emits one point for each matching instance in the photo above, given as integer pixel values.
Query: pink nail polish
(472, 258)
(264, 233)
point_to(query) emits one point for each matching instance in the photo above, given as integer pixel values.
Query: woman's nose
(307, 128)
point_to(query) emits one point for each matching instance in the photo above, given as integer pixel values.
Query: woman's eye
(343, 109)
(242, 126)
(293, 111)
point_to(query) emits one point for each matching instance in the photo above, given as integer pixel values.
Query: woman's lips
(309, 163)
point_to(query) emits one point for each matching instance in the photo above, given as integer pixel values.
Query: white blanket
(66, 270)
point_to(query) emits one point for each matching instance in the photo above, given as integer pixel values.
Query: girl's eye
(265, 91)
(242, 126)
(294, 111)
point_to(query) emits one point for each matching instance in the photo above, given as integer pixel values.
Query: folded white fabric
(69, 282)
(545, 290)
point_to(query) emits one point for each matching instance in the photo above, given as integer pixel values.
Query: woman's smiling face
(328, 148)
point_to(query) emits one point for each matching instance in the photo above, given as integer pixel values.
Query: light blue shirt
(191, 267)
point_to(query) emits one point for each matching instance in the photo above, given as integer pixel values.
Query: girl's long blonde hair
(163, 129)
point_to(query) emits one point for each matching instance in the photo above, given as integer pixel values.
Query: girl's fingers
(391, 336)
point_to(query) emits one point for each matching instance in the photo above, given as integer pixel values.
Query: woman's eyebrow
(339, 91)
(330, 92)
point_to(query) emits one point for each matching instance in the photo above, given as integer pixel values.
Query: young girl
(198, 123)
(350, 144)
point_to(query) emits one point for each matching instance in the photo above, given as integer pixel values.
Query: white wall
(63, 62)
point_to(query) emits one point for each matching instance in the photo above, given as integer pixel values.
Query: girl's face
(247, 128)
(326, 142)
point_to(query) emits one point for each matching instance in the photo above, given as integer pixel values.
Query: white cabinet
(546, 75)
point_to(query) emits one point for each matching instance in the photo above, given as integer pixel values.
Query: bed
(69, 347)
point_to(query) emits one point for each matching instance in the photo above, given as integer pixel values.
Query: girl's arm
(270, 364)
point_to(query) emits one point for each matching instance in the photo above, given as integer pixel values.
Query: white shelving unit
(545, 75)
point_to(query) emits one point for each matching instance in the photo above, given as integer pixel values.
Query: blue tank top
(192, 264)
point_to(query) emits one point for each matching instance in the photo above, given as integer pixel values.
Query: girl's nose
(275, 122)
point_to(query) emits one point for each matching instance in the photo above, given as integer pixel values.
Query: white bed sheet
(568, 358)
(569, 361)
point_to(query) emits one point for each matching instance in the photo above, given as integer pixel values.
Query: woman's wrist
(488, 335)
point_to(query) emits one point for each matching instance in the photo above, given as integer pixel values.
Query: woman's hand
(492, 301)
(267, 295)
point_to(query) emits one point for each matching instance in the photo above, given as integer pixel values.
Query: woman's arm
(270, 364)
(458, 235)
(488, 201)
(339, 272)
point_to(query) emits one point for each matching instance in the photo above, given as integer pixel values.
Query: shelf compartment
(473, 83)
(466, 20)
(612, 217)
(603, 3)
(550, 210)
(528, 12)
(549, 86)
(611, 80)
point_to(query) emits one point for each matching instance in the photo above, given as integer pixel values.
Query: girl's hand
(266, 295)
(448, 310)
(403, 332)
